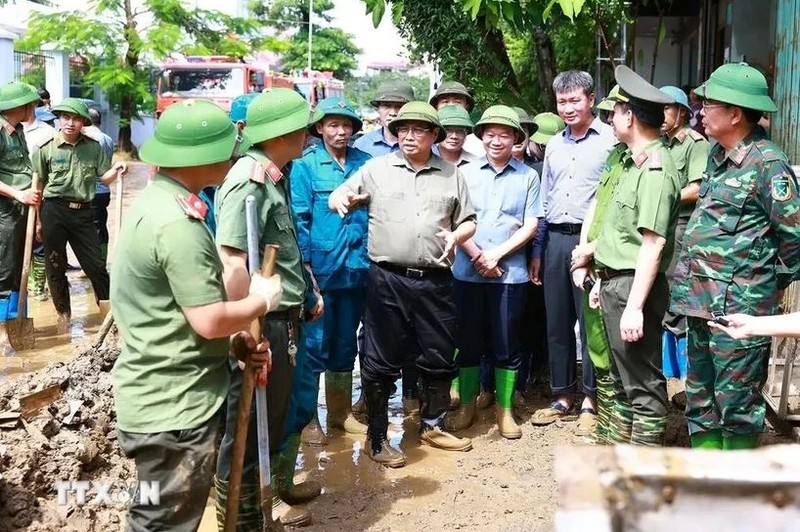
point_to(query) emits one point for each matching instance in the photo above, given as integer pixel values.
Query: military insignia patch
(193, 206)
(274, 172)
(257, 173)
(781, 189)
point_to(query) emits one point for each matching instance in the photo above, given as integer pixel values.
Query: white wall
(668, 61)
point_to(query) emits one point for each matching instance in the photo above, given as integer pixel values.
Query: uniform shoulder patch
(695, 135)
(44, 140)
(655, 161)
(257, 172)
(193, 206)
(781, 187)
(274, 172)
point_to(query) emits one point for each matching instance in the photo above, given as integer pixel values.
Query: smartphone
(718, 317)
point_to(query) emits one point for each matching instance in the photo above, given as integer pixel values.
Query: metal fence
(29, 67)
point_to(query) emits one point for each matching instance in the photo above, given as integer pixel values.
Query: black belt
(607, 273)
(71, 204)
(567, 229)
(290, 314)
(414, 273)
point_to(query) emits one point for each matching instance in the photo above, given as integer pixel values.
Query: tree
(360, 91)
(332, 49)
(117, 41)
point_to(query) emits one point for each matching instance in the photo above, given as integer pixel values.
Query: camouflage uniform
(747, 221)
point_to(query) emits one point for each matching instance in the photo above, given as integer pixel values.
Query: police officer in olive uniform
(69, 164)
(419, 211)
(170, 304)
(742, 246)
(276, 125)
(632, 253)
(17, 101)
(689, 150)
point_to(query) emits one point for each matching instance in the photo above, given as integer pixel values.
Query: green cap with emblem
(191, 133)
(276, 113)
(608, 103)
(738, 84)
(635, 90)
(549, 125)
(75, 106)
(334, 106)
(500, 115)
(526, 121)
(418, 112)
(396, 91)
(16, 94)
(452, 88)
(455, 116)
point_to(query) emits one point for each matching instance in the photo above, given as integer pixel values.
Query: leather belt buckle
(74, 205)
(415, 273)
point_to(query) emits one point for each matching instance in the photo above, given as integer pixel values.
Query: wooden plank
(30, 405)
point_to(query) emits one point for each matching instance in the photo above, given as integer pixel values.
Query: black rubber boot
(377, 445)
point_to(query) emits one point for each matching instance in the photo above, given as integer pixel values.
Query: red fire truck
(317, 86)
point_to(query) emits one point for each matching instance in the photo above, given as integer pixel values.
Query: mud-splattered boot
(377, 446)
(338, 396)
(313, 434)
(435, 399)
(464, 416)
(249, 514)
(290, 492)
(505, 380)
(648, 430)
(620, 422)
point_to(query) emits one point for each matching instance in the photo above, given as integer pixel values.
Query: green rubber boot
(455, 394)
(620, 422)
(290, 492)
(249, 516)
(36, 282)
(338, 398)
(707, 440)
(738, 442)
(505, 381)
(648, 430)
(605, 402)
(469, 384)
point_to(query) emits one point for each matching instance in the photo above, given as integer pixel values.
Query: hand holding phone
(718, 317)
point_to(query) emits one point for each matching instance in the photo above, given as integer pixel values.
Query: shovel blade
(20, 333)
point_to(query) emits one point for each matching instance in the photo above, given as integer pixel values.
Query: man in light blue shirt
(392, 95)
(573, 162)
(490, 269)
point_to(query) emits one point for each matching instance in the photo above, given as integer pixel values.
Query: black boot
(377, 445)
(434, 402)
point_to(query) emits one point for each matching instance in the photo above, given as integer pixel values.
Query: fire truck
(316, 86)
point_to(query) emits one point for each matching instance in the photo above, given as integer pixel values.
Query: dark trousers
(489, 321)
(408, 317)
(13, 218)
(564, 309)
(182, 461)
(279, 387)
(100, 208)
(636, 366)
(533, 337)
(62, 225)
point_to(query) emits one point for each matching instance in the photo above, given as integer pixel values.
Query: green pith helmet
(334, 106)
(75, 106)
(500, 115)
(16, 94)
(397, 91)
(190, 133)
(608, 103)
(276, 113)
(239, 106)
(549, 125)
(455, 116)
(452, 88)
(418, 112)
(738, 84)
(526, 121)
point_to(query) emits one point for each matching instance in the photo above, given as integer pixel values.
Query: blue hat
(44, 114)
(239, 106)
(678, 94)
(334, 106)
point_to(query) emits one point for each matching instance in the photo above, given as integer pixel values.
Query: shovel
(253, 379)
(20, 329)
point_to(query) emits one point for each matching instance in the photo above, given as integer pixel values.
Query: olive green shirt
(254, 174)
(70, 171)
(608, 180)
(645, 198)
(689, 150)
(407, 207)
(167, 376)
(15, 163)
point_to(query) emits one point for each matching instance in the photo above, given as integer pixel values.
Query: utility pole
(310, 31)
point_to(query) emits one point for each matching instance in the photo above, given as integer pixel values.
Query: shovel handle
(22, 305)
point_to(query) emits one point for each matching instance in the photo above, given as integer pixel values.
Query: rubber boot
(36, 282)
(410, 383)
(338, 396)
(249, 515)
(313, 434)
(13, 306)
(464, 416)
(290, 492)
(377, 445)
(360, 406)
(455, 395)
(605, 401)
(105, 307)
(648, 430)
(682, 355)
(284, 513)
(5, 343)
(63, 322)
(485, 400)
(737, 442)
(435, 399)
(504, 381)
(707, 440)
(669, 362)
(620, 423)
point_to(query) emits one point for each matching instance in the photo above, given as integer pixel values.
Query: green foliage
(360, 91)
(332, 49)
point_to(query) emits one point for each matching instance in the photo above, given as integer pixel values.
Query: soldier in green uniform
(170, 305)
(610, 426)
(276, 125)
(742, 246)
(69, 164)
(689, 150)
(17, 101)
(632, 253)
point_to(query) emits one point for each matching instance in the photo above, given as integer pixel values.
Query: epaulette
(769, 151)
(696, 136)
(655, 161)
(259, 172)
(9, 128)
(681, 135)
(640, 158)
(45, 140)
(193, 206)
